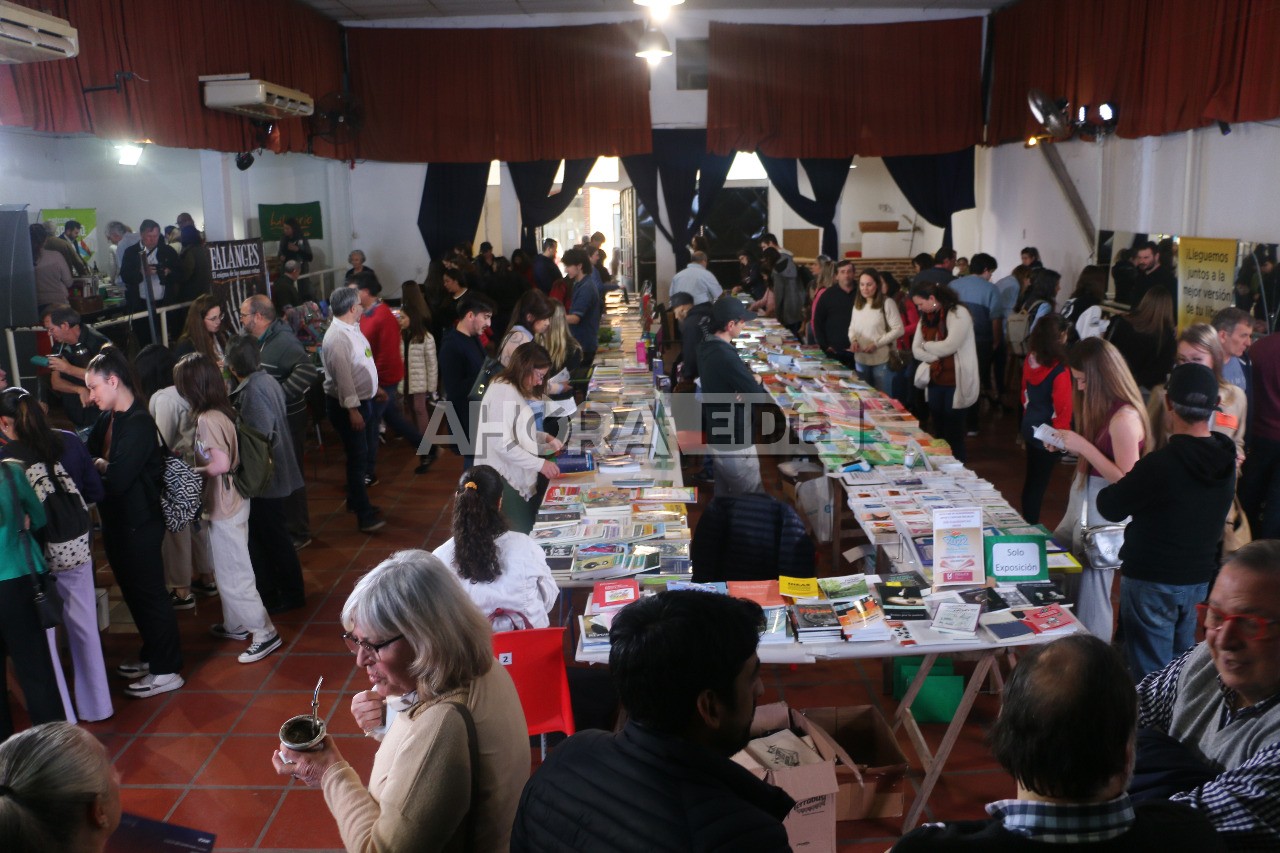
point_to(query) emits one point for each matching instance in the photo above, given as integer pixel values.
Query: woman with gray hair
(58, 791)
(259, 400)
(451, 766)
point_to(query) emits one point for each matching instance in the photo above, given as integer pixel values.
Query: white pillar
(509, 233)
(215, 192)
(666, 255)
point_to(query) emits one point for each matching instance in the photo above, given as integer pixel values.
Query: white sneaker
(133, 669)
(153, 685)
(258, 651)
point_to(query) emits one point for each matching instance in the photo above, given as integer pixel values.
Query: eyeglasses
(1251, 627)
(355, 645)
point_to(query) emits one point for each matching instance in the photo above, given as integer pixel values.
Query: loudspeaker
(17, 270)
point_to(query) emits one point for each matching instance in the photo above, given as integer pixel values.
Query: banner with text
(239, 271)
(272, 216)
(87, 244)
(1206, 271)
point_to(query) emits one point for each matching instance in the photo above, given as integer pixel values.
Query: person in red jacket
(1046, 399)
(381, 327)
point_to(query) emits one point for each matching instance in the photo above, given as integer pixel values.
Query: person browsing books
(1178, 498)
(510, 437)
(686, 714)
(503, 572)
(729, 389)
(1071, 778)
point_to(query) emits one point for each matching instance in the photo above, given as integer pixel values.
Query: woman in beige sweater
(427, 650)
(875, 324)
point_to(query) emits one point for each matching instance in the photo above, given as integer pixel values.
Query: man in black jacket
(150, 264)
(1178, 498)
(687, 673)
(831, 314)
(729, 392)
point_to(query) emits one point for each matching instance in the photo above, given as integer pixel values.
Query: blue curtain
(533, 181)
(936, 185)
(687, 171)
(827, 178)
(452, 203)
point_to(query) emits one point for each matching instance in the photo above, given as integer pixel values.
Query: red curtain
(283, 42)
(833, 91)
(445, 95)
(1167, 65)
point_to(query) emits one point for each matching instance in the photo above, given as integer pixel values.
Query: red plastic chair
(535, 661)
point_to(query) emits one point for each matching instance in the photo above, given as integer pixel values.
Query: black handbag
(47, 601)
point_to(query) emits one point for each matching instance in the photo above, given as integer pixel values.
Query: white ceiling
(369, 10)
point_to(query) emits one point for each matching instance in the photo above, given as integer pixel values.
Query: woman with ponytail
(503, 572)
(130, 457)
(61, 473)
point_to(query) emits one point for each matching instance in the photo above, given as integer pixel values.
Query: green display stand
(902, 680)
(939, 697)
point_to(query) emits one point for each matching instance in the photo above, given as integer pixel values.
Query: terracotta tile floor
(201, 756)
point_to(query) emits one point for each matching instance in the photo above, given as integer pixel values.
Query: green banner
(87, 245)
(272, 216)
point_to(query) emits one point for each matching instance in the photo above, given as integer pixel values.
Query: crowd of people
(1156, 425)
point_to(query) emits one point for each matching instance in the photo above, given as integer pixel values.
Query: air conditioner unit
(27, 36)
(256, 99)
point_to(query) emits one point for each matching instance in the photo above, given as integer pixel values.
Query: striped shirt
(1065, 823)
(1243, 803)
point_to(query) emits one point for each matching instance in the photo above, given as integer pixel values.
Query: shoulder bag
(897, 358)
(1099, 544)
(473, 749)
(182, 490)
(46, 599)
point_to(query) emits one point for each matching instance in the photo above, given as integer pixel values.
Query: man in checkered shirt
(1219, 704)
(1066, 736)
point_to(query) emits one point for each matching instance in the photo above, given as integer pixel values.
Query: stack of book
(815, 622)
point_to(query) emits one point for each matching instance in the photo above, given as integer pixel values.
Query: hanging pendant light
(653, 46)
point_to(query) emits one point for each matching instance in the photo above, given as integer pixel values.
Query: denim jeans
(947, 422)
(878, 376)
(1158, 621)
(355, 443)
(389, 410)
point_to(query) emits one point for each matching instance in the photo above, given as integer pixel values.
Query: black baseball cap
(728, 308)
(1193, 385)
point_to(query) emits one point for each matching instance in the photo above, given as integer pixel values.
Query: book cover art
(614, 593)
(818, 615)
(1042, 592)
(765, 593)
(902, 602)
(845, 586)
(136, 833)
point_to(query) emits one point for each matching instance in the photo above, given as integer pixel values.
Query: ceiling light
(1032, 142)
(244, 161)
(653, 47)
(659, 9)
(1105, 112)
(130, 153)
(1082, 114)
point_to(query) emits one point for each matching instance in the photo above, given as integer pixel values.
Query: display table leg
(933, 764)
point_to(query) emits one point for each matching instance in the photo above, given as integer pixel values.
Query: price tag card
(1016, 558)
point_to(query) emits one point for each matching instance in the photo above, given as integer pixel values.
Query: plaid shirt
(1243, 804)
(1057, 823)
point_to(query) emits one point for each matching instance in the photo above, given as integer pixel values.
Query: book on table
(955, 617)
(595, 629)
(1005, 628)
(765, 592)
(1049, 619)
(844, 586)
(777, 627)
(902, 602)
(575, 463)
(1042, 592)
(815, 622)
(614, 594)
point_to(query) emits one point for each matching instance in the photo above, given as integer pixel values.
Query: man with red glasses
(1211, 718)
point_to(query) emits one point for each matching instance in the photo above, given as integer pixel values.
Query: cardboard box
(874, 788)
(811, 825)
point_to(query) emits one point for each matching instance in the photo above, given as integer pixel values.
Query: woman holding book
(511, 437)
(503, 572)
(1046, 399)
(1114, 434)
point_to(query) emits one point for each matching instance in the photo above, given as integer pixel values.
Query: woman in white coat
(945, 348)
(511, 437)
